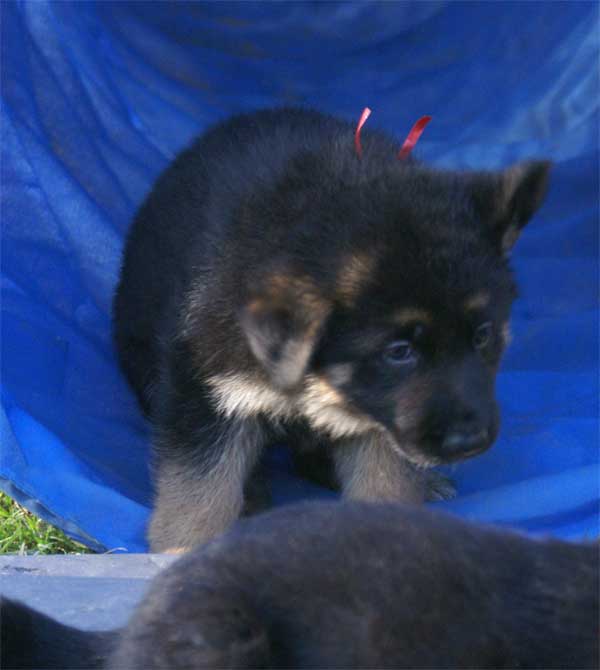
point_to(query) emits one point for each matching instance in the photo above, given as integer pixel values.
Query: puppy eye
(399, 352)
(482, 335)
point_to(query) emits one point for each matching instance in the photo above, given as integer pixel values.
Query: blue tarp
(97, 98)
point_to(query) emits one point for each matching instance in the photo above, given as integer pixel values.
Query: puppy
(351, 585)
(275, 282)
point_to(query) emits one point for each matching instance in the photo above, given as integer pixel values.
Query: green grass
(23, 533)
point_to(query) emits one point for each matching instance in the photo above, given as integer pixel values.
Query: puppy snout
(462, 443)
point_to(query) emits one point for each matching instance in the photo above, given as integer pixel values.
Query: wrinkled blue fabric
(98, 98)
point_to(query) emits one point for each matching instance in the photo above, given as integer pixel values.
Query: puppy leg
(368, 468)
(200, 492)
(257, 492)
(438, 486)
(312, 456)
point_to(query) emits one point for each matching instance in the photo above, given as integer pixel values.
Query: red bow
(410, 141)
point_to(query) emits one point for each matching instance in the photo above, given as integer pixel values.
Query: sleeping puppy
(351, 585)
(277, 283)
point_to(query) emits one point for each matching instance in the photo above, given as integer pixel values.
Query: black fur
(270, 253)
(324, 585)
(29, 639)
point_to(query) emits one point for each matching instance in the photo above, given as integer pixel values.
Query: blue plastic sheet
(98, 98)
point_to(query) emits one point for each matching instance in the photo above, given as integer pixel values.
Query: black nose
(461, 444)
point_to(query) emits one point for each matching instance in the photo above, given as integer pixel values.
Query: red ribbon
(361, 122)
(413, 136)
(410, 141)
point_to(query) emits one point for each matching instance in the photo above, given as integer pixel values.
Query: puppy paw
(438, 486)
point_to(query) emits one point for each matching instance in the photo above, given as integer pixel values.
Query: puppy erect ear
(507, 200)
(283, 320)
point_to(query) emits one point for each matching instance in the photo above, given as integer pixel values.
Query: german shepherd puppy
(274, 281)
(351, 585)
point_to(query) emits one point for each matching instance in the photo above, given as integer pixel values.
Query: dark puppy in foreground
(275, 283)
(353, 585)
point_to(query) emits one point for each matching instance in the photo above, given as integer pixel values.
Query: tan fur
(353, 276)
(299, 290)
(327, 410)
(299, 296)
(370, 468)
(318, 387)
(410, 403)
(246, 395)
(318, 401)
(477, 301)
(294, 359)
(340, 374)
(279, 282)
(410, 315)
(191, 509)
(255, 306)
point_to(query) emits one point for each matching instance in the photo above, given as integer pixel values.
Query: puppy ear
(282, 321)
(510, 198)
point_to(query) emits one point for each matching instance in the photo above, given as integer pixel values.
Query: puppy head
(392, 310)
(422, 307)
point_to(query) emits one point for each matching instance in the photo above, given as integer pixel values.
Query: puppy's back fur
(362, 586)
(191, 209)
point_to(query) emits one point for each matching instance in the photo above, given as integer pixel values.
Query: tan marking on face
(278, 282)
(291, 291)
(340, 373)
(256, 306)
(477, 301)
(506, 333)
(410, 404)
(315, 306)
(410, 315)
(353, 276)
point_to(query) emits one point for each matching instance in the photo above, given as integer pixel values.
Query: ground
(23, 533)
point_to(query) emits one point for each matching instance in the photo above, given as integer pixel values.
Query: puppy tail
(30, 639)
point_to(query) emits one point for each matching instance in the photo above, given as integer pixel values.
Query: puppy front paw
(438, 486)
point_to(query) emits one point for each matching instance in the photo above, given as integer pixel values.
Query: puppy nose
(461, 444)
